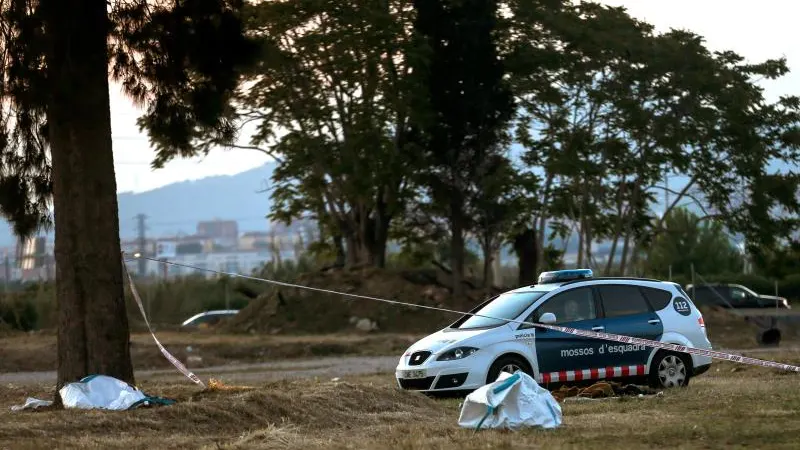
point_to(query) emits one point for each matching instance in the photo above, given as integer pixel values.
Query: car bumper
(441, 376)
(701, 364)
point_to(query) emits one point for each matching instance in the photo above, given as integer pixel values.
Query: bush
(19, 312)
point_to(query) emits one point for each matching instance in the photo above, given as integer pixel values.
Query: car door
(556, 351)
(626, 312)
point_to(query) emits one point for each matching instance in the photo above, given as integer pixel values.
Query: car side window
(738, 295)
(622, 300)
(658, 298)
(570, 306)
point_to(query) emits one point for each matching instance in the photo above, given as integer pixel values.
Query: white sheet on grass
(102, 392)
(512, 402)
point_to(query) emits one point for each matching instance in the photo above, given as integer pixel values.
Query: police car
(474, 350)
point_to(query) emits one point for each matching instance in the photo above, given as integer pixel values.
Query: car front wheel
(670, 370)
(507, 363)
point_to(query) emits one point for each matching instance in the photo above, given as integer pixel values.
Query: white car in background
(208, 318)
(474, 350)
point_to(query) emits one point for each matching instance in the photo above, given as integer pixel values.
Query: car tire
(507, 363)
(669, 370)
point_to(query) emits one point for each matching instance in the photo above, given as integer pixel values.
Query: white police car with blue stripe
(474, 350)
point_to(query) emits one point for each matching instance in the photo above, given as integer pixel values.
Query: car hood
(442, 340)
(779, 300)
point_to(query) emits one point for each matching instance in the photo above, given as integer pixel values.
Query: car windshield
(507, 306)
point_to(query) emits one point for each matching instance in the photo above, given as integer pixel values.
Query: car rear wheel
(669, 370)
(507, 363)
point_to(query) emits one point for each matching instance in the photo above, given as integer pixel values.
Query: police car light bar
(561, 276)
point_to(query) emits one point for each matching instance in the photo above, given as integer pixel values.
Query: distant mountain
(177, 207)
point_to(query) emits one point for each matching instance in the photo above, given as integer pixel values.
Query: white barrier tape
(178, 365)
(574, 331)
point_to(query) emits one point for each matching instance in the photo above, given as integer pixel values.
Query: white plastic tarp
(100, 391)
(512, 402)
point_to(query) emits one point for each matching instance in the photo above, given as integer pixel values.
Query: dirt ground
(732, 406)
(22, 352)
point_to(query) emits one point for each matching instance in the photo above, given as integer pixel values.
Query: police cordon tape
(568, 330)
(175, 362)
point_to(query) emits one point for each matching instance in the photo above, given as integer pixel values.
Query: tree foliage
(610, 107)
(464, 111)
(547, 125)
(690, 239)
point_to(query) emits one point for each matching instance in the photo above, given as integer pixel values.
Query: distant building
(255, 240)
(239, 262)
(224, 233)
(34, 259)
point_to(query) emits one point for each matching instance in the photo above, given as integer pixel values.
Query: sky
(757, 30)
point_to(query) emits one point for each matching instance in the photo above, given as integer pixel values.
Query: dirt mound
(281, 310)
(293, 310)
(220, 416)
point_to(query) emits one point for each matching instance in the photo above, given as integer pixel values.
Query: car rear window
(658, 298)
(622, 300)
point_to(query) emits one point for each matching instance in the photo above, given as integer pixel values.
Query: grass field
(731, 406)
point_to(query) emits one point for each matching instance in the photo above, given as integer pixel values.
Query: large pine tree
(179, 59)
(466, 107)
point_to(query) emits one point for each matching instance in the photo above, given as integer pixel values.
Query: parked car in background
(733, 296)
(208, 318)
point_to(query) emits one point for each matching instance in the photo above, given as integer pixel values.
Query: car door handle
(598, 328)
(653, 321)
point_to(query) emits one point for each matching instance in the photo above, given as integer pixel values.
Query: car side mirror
(548, 318)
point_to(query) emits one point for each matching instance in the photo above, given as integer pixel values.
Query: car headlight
(456, 353)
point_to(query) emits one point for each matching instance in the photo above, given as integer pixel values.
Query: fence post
(693, 282)
(776, 294)
(670, 272)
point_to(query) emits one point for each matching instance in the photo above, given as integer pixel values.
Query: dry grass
(731, 406)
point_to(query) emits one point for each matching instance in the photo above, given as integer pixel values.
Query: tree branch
(255, 148)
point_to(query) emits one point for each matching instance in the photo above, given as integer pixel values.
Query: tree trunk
(93, 336)
(588, 243)
(525, 246)
(542, 226)
(623, 259)
(380, 241)
(634, 258)
(579, 262)
(341, 254)
(457, 245)
(488, 260)
(617, 227)
(629, 227)
(353, 251)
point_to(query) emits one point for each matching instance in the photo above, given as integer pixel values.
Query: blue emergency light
(562, 276)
